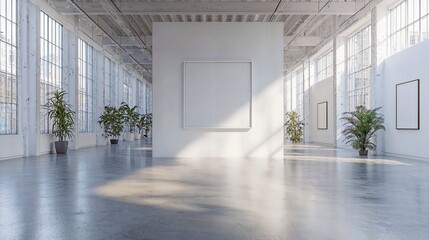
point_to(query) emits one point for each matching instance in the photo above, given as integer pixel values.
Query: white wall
(11, 146)
(321, 92)
(407, 65)
(261, 43)
(86, 140)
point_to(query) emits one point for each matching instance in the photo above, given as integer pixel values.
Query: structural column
(71, 77)
(28, 70)
(376, 91)
(335, 105)
(99, 95)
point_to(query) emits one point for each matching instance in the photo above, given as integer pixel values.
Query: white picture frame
(217, 95)
(322, 116)
(408, 105)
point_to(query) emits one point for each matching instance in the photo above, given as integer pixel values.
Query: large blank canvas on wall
(217, 95)
(408, 105)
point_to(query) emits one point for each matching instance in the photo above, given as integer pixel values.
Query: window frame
(359, 71)
(86, 81)
(9, 103)
(51, 43)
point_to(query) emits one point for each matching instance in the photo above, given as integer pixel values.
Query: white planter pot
(137, 136)
(129, 137)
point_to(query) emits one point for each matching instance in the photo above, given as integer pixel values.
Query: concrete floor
(121, 192)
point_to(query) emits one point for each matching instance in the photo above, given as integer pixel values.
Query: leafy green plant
(141, 122)
(62, 115)
(147, 123)
(360, 127)
(130, 116)
(112, 122)
(294, 127)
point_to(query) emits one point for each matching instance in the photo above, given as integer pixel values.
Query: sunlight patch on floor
(144, 148)
(200, 185)
(344, 159)
(157, 186)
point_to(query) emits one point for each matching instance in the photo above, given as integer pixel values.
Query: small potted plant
(111, 122)
(141, 125)
(137, 135)
(294, 127)
(360, 127)
(130, 117)
(63, 119)
(147, 126)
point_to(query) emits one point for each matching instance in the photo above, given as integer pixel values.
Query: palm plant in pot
(63, 119)
(111, 121)
(294, 127)
(130, 117)
(360, 127)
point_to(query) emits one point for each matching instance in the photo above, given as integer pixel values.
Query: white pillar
(99, 96)
(335, 106)
(376, 89)
(70, 75)
(341, 93)
(306, 101)
(28, 75)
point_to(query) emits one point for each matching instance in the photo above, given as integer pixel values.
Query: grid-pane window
(359, 68)
(299, 85)
(324, 66)
(148, 99)
(108, 80)
(288, 95)
(141, 96)
(51, 54)
(127, 88)
(8, 80)
(408, 23)
(114, 83)
(85, 83)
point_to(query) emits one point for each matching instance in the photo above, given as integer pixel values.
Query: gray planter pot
(114, 141)
(363, 153)
(61, 147)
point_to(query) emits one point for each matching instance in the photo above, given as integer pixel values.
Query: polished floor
(121, 192)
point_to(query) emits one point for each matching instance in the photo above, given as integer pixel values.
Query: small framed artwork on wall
(408, 105)
(322, 116)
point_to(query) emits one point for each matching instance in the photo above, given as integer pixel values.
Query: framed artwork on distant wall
(408, 105)
(322, 116)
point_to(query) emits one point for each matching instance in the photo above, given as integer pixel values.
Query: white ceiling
(127, 24)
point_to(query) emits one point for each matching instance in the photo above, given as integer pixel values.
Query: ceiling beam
(317, 8)
(174, 8)
(304, 41)
(127, 41)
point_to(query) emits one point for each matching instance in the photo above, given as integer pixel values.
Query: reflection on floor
(121, 192)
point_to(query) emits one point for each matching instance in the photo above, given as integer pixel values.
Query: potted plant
(147, 126)
(111, 121)
(294, 127)
(130, 117)
(137, 135)
(141, 125)
(63, 119)
(360, 127)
